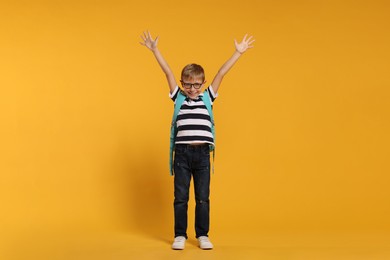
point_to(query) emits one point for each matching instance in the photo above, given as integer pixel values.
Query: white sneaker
(204, 243)
(179, 243)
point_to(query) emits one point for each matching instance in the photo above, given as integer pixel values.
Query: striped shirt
(193, 121)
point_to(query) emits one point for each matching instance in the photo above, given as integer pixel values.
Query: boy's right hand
(148, 41)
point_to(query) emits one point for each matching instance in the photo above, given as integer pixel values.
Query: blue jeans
(192, 160)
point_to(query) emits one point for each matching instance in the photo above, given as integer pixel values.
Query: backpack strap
(178, 102)
(206, 100)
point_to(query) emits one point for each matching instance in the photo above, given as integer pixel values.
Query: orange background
(302, 119)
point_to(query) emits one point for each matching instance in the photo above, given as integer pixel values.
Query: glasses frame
(188, 85)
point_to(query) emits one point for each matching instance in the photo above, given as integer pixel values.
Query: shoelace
(180, 239)
(204, 239)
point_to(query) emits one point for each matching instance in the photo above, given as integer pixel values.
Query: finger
(150, 36)
(142, 37)
(244, 39)
(249, 43)
(250, 37)
(156, 40)
(146, 34)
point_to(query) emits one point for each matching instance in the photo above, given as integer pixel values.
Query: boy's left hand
(245, 44)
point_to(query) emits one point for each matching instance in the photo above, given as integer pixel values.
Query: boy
(193, 138)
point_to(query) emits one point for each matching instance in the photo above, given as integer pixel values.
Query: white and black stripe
(193, 121)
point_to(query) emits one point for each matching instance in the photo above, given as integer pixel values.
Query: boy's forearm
(161, 61)
(165, 67)
(229, 63)
(224, 69)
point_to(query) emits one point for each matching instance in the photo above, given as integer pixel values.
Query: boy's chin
(193, 96)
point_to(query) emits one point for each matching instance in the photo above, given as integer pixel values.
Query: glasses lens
(189, 85)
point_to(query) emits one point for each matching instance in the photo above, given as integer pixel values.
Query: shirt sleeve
(173, 95)
(213, 95)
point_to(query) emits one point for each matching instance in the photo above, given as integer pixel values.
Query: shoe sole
(178, 248)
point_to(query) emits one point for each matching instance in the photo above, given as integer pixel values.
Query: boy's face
(192, 87)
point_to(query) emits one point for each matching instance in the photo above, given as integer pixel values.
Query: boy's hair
(192, 71)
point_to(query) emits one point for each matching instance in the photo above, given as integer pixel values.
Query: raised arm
(241, 47)
(151, 44)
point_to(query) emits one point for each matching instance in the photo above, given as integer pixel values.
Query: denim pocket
(205, 150)
(180, 149)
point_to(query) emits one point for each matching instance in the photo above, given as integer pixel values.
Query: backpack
(179, 101)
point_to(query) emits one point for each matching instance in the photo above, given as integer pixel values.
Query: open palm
(148, 41)
(245, 44)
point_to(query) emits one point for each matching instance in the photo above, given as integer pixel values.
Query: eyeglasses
(190, 85)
